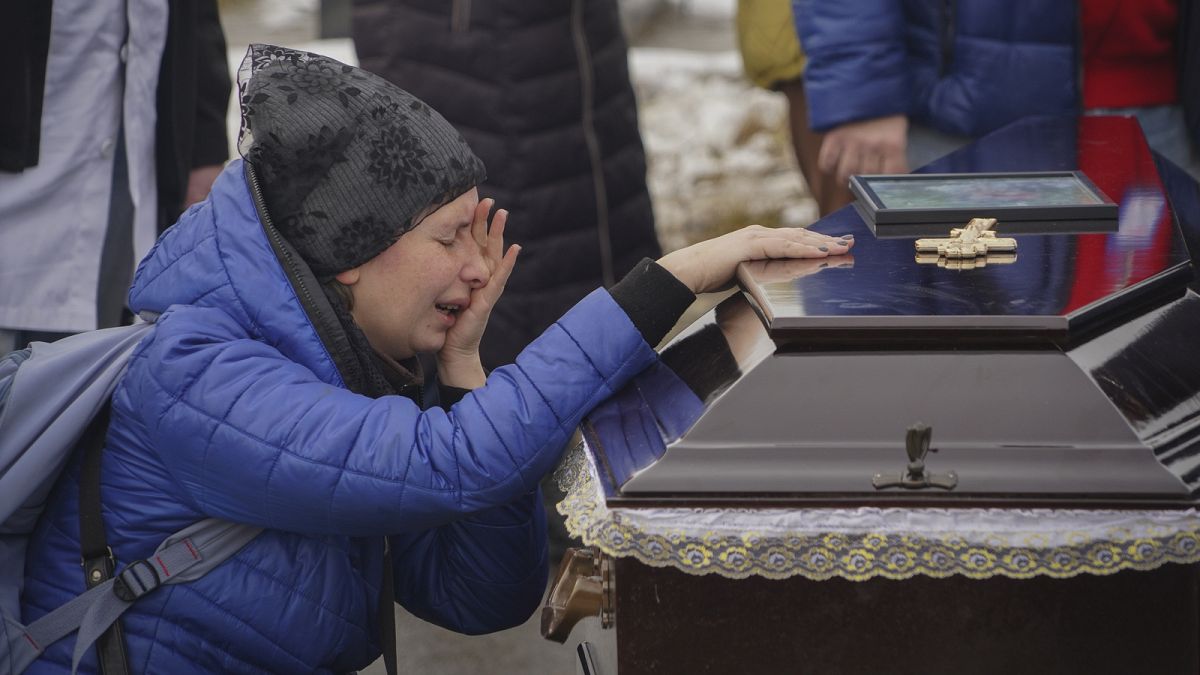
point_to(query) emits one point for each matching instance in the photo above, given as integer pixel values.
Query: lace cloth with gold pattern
(863, 543)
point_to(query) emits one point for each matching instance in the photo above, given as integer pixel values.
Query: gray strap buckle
(137, 579)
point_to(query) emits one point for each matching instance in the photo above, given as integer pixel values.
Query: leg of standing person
(116, 258)
(806, 143)
(772, 59)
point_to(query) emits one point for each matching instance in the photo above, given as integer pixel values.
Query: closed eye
(461, 232)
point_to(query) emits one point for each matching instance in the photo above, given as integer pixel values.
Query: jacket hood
(219, 255)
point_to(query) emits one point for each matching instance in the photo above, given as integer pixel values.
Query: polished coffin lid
(1066, 377)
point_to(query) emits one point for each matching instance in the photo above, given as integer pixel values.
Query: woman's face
(406, 298)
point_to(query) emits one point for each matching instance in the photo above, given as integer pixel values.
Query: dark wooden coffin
(1066, 380)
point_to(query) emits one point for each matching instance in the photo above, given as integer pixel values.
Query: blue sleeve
(857, 65)
(250, 436)
(479, 574)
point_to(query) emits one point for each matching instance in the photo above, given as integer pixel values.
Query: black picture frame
(888, 200)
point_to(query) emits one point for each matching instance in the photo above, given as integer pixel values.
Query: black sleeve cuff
(448, 396)
(653, 298)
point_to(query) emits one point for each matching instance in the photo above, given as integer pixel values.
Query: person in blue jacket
(896, 84)
(280, 388)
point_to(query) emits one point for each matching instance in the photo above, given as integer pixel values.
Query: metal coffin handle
(582, 588)
(915, 477)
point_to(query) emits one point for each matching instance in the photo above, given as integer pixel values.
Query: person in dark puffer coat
(279, 388)
(541, 90)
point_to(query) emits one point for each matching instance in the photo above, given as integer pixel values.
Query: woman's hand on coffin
(710, 265)
(774, 271)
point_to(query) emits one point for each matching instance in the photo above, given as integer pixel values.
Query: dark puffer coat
(541, 91)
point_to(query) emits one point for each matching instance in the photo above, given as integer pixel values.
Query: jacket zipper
(282, 251)
(948, 30)
(587, 86)
(277, 239)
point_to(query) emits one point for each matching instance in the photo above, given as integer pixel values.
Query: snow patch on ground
(717, 9)
(718, 150)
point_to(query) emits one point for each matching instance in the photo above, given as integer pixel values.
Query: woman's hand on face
(710, 265)
(460, 352)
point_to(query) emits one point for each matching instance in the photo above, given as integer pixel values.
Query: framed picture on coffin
(1058, 197)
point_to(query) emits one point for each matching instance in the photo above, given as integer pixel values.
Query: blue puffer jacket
(961, 66)
(233, 408)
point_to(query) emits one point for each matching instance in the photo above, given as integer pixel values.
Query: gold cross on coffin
(974, 240)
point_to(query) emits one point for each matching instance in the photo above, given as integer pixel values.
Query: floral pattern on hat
(346, 160)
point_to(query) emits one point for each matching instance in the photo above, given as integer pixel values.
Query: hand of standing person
(200, 182)
(867, 147)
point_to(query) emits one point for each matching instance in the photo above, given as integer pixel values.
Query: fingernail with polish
(823, 248)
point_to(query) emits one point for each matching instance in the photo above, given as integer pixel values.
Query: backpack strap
(387, 611)
(98, 562)
(185, 556)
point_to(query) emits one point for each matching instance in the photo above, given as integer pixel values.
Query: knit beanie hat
(347, 161)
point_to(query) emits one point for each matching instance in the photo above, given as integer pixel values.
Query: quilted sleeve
(480, 574)
(253, 437)
(857, 66)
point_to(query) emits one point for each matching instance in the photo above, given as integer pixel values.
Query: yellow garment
(766, 31)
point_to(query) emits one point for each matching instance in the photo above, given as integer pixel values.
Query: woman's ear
(349, 277)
